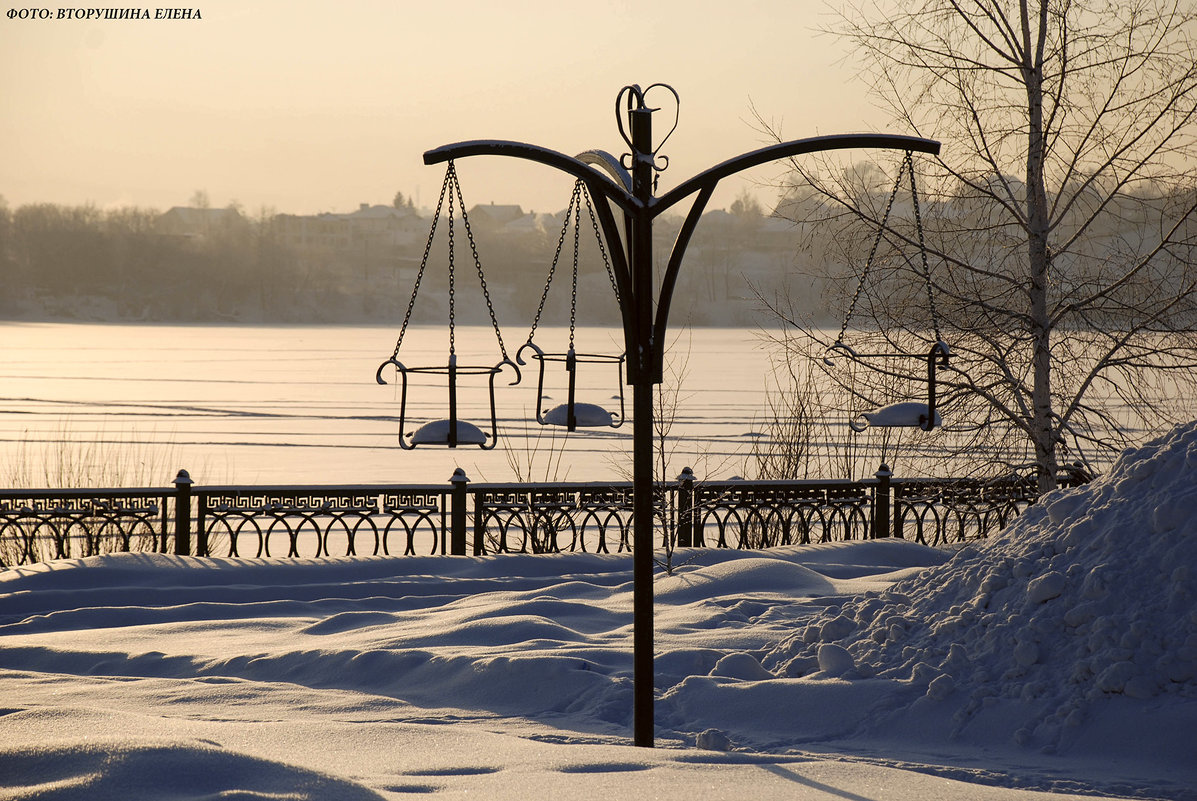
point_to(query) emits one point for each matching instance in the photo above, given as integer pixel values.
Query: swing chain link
(452, 171)
(452, 188)
(478, 266)
(918, 224)
(573, 294)
(602, 248)
(544, 296)
(864, 274)
(411, 304)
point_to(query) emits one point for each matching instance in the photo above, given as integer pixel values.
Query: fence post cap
(883, 471)
(686, 475)
(183, 479)
(459, 477)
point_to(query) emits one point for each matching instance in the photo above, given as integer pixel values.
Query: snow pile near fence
(1085, 603)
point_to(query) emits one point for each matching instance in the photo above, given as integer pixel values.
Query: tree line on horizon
(81, 262)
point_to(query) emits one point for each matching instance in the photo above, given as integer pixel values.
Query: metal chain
(918, 224)
(452, 272)
(556, 257)
(490, 307)
(411, 304)
(602, 248)
(864, 274)
(573, 294)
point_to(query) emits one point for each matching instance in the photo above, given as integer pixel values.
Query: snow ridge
(1086, 597)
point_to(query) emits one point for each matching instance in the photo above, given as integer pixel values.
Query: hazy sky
(306, 106)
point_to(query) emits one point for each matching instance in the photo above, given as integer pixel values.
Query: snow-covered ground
(1060, 657)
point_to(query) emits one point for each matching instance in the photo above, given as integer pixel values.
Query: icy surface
(1060, 658)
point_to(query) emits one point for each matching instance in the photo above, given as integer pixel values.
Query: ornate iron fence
(38, 525)
(387, 520)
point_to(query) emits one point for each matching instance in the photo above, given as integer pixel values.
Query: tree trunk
(1043, 434)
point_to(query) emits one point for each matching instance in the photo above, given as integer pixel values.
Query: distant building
(186, 222)
(380, 227)
(493, 217)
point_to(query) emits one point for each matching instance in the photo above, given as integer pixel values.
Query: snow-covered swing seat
(574, 414)
(906, 413)
(451, 431)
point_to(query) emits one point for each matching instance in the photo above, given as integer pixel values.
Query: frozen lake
(297, 405)
(300, 405)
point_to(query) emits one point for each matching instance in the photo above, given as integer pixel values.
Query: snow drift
(1059, 656)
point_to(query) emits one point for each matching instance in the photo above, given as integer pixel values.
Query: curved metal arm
(402, 396)
(937, 357)
(542, 155)
(797, 147)
(398, 366)
(601, 158)
(540, 381)
(852, 354)
(518, 375)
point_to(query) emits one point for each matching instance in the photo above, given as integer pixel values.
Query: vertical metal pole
(685, 509)
(453, 401)
(183, 514)
(571, 367)
(201, 525)
(881, 503)
(642, 434)
(457, 515)
(479, 525)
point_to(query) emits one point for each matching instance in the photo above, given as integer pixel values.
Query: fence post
(685, 509)
(183, 514)
(457, 515)
(479, 524)
(881, 502)
(201, 525)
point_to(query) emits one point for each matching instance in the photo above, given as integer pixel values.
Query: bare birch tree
(1059, 218)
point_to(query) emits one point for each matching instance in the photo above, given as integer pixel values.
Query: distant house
(494, 217)
(370, 226)
(186, 222)
(532, 223)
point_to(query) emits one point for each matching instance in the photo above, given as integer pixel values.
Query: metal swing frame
(451, 431)
(900, 414)
(644, 302)
(594, 416)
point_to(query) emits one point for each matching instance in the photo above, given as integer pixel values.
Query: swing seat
(908, 414)
(586, 415)
(437, 433)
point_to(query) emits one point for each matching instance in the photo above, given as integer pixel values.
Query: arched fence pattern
(464, 518)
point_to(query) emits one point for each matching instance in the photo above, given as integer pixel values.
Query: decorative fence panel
(321, 521)
(38, 525)
(460, 517)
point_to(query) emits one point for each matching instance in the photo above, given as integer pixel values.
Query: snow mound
(184, 771)
(1085, 601)
(897, 415)
(586, 415)
(741, 577)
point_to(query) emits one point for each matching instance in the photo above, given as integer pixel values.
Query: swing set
(573, 414)
(909, 413)
(453, 431)
(644, 305)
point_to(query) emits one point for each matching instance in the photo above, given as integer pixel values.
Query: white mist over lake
(300, 405)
